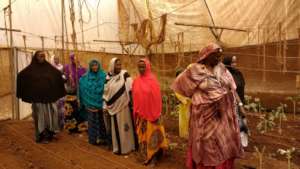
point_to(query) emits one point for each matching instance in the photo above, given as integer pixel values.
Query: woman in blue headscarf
(91, 87)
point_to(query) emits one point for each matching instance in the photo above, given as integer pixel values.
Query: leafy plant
(289, 155)
(266, 123)
(248, 99)
(280, 114)
(294, 100)
(254, 106)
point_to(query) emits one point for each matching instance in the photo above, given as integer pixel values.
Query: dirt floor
(19, 151)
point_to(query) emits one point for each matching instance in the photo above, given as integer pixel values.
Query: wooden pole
(43, 42)
(13, 68)
(211, 27)
(264, 55)
(62, 29)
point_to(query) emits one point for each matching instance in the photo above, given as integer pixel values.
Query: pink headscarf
(147, 101)
(209, 49)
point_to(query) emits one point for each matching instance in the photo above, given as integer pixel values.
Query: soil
(19, 151)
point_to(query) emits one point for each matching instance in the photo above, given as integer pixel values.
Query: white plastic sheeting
(43, 18)
(260, 17)
(23, 60)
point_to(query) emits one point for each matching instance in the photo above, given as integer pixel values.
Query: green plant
(254, 106)
(280, 114)
(294, 100)
(289, 155)
(266, 123)
(248, 99)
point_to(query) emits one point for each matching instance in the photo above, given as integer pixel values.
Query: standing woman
(214, 135)
(91, 87)
(74, 114)
(147, 107)
(42, 85)
(230, 63)
(117, 100)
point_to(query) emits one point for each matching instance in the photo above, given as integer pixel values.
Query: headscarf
(117, 88)
(40, 82)
(71, 69)
(209, 49)
(58, 66)
(91, 87)
(196, 77)
(147, 101)
(237, 76)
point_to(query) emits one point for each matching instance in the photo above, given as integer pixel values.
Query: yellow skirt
(152, 138)
(183, 110)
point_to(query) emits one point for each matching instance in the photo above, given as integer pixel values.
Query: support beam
(211, 27)
(11, 30)
(13, 68)
(116, 41)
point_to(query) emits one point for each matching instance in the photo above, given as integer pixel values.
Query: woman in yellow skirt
(147, 106)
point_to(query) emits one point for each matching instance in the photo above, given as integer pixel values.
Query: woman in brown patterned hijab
(214, 136)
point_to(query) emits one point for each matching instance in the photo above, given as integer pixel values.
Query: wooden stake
(13, 68)
(264, 55)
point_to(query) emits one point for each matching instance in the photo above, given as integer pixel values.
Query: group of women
(122, 112)
(125, 113)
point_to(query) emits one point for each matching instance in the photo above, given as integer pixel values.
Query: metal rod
(211, 27)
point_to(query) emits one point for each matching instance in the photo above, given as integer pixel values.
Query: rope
(98, 31)
(72, 18)
(81, 23)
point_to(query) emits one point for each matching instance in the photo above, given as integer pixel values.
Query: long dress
(184, 115)
(74, 114)
(214, 136)
(147, 105)
(117, 102)
(41, 85)
(60, 102)
(91, 87)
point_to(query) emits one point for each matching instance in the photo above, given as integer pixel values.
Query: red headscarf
(147, 101)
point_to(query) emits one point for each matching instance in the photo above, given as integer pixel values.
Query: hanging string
(81, 24)
(72, 18)
(98, 31)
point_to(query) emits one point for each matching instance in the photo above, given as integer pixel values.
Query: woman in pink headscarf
(214, 136)
(147, 107)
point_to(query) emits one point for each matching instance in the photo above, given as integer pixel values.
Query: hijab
(71, 70)
(117, 89)
(58, 66)
(91, 87)
(237, 76)
(147, 101)
(40, 82)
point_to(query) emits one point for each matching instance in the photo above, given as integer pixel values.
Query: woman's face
(142, 67)
(41, 57)
(213, 59)
(95, 67)
(118, 67)
(233, 63)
